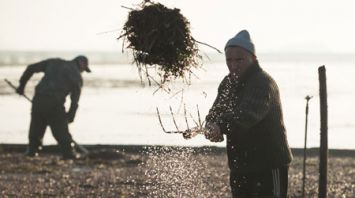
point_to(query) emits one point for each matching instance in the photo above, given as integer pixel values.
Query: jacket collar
(254, 68)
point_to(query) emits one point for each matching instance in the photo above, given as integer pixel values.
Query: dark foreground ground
(138, 171)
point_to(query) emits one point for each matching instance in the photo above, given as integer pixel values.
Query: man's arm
(76, 83)
(74, 97)
(253, 107)
(219, 104)
(27, 74)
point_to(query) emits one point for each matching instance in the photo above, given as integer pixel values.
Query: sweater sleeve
(30, 70)
(74, 97)
(219, 105)
(75, 84)
(253, 107)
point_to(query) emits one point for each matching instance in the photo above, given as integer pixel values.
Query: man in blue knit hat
(248, 111)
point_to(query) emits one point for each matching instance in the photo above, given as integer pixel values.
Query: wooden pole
(305, 148)
(15, 88)
(323, 151)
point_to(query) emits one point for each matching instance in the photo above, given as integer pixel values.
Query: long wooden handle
(15, 88)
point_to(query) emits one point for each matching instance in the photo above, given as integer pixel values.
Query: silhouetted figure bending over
(61, 78)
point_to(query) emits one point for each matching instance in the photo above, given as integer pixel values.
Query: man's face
(83, 65)
(238, 60)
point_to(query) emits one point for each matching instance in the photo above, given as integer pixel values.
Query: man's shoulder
(264, 75)
(224, 82)
(72, 71)
(262, 78)
(70, 66)
(55, 60)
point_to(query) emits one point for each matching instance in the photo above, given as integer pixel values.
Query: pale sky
(274, 25)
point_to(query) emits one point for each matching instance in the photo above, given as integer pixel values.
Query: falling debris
(160, 38)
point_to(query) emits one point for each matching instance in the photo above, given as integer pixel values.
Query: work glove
(70, 116)
(20, 90)
(213, 133)
(71, 113)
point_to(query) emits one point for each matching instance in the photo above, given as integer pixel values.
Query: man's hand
(213, 133)
(20, 90)
(70, 117)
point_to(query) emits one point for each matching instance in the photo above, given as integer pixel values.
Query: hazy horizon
(108, 57)
(276, 26)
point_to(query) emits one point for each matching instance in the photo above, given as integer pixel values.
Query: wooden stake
(323, 152)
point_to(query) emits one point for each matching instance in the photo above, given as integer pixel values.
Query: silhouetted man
(61, 78)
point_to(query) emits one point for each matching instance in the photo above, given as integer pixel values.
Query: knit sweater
(248, 111)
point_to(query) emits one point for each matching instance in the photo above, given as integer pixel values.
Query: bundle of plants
(160, 37)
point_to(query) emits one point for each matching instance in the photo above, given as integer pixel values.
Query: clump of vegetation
(160, 37)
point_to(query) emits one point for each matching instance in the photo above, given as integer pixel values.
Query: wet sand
(146, 171)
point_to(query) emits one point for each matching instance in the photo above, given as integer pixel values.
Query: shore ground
(148, 171)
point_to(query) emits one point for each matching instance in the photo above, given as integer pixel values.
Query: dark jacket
(249, 113)
(60, 79)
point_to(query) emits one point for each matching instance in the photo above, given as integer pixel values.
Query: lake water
(116, 109)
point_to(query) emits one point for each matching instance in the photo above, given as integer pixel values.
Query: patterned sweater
(249, 113)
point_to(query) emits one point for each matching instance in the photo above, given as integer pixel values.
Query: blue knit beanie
(242, 39)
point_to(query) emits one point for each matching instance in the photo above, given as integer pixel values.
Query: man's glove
(214, 133)
(72, 111)
(20, 90)
(70, 117)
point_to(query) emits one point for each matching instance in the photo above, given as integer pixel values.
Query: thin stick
(109, 31)
(147, 74)
(194, 74)
(176, 93)
(160, 86)
(207, 56)
(207, 45)
(305, 148)
(161, 124)
(123, 42)
(157, 83)
(156, 91)
(172, 114)
(193, 119)
(181, 100)
(140, 75)
(187, 123)
(14, 87)
(127, 8)
(187, 79)
(199, 118)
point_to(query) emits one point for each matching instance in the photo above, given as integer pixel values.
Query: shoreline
(312, 152)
